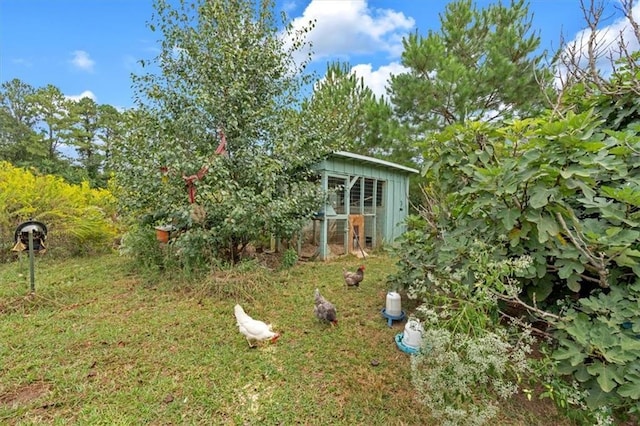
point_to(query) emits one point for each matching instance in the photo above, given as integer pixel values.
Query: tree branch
(539, 312)
(597, 262)
(520, 323)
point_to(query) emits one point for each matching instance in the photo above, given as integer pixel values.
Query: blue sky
(90, 47)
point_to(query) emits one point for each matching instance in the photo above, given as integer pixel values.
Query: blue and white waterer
(393, 309)
(411, 340)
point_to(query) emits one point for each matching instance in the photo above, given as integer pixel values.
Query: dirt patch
(24, 394)
(270, 260)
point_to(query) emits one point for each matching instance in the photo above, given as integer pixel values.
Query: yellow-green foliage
(79, 219)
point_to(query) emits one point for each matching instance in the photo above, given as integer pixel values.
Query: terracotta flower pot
(163, 233)
(162, 236)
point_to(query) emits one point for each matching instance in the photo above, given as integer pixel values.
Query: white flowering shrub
(470, 360)
(461, 377)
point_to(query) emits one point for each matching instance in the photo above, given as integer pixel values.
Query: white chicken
(253, 330)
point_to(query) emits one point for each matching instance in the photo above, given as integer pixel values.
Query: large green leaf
(630, 345)
(568, 267)
(629, 390)
(606, 375)
(627, 257)
(571, 352)
(540, 196)
(509, 217)
(541, 290)
(596, 397)
(548, 226)
(581, 374)
(578, 327)
(628, 195)
(573, 282)
(575, 170)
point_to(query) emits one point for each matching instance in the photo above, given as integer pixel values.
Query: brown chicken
(353, 279)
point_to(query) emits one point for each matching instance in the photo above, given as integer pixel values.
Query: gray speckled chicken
(324, 310)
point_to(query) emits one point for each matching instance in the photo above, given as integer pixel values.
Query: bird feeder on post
(30, 235)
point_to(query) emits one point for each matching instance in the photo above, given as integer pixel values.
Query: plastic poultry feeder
(411, 340)
(393, 309)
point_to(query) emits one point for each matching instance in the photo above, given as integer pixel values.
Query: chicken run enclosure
(367, 206)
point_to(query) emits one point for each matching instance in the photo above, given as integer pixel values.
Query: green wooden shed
(367, 205)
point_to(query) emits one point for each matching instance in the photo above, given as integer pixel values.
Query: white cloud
(82, 61)
(22, 61)
(85, 94)
(289, 6)
(607, 39)
(348, 27)
(378, 80)
(130, 62)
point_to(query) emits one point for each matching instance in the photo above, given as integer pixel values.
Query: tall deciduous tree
(52, 124)
(16, 123)
(227, 79)
(482, 64)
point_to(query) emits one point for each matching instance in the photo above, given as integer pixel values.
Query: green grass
(97, 345)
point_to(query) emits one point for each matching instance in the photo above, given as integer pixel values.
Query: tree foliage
(17, 134)
(561, 189)
(226, 78)
(482, 64)
(42, 128)
(338, 105)
(343, 106)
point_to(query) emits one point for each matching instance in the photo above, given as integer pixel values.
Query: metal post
(31, 268)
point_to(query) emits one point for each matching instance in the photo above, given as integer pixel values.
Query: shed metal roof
(364, 158)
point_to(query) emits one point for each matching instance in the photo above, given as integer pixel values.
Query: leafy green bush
(260, 180)
(570, 399)
(80, 220)
(566, 193)
(143, 248)
(289, 258)
(599, 343)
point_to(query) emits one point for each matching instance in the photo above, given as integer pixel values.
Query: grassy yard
(97, 345)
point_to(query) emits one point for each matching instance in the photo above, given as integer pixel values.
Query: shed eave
(364, 158)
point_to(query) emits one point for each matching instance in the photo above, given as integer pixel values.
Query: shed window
(369, 195)
(380, 193)
(355, 195)
(335, 186)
